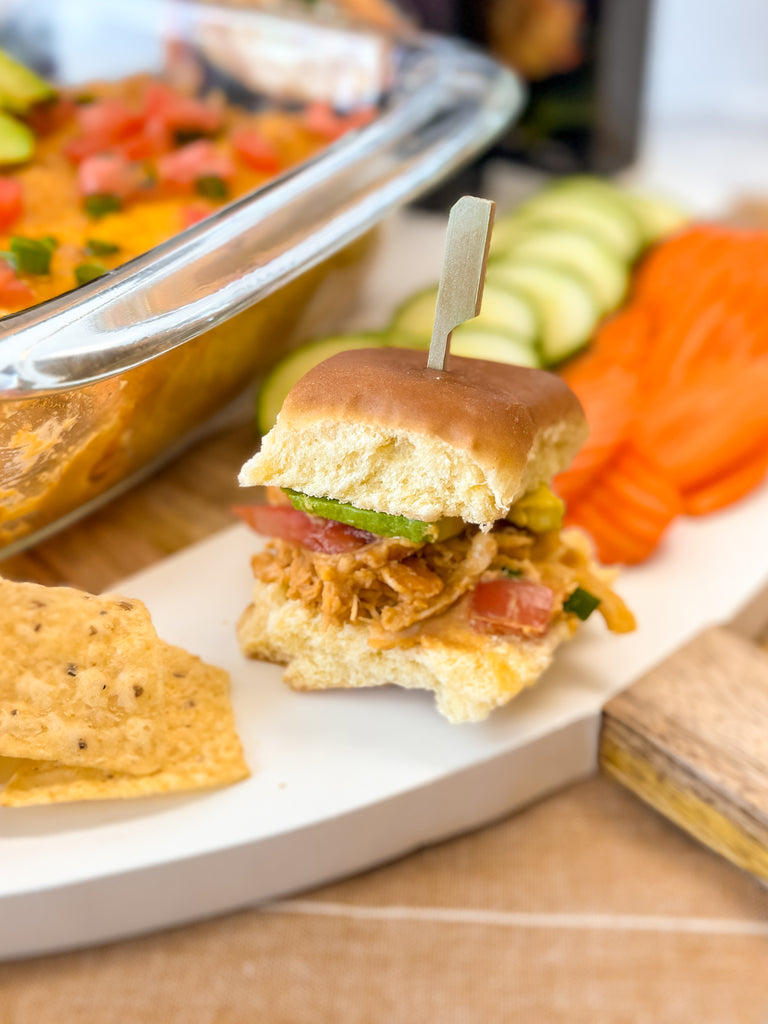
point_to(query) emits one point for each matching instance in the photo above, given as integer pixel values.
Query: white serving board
(341, 781)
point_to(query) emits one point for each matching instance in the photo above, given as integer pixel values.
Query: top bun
(378, 429)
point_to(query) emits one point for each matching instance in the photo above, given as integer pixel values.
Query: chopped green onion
(581, 603)
(85, 272)
(212, 187)
(33, 255)
(100, 203)
(100, 247)
(9, 258)
(507, 570)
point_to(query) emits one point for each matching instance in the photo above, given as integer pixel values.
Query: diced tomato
(108, 174)
(321, 119)
(138, 147)
(256, 151)
(83, 146)
(153, 139)
(157, 132)
(157, 97)
(511, 606)
(109, 120)
(105, 125)
(359, 118)
(312, 532)
(181, 112)
(193, 115)
(196, 160)
(13, 292)
(113, 126)
(193, 213)
(11, 202)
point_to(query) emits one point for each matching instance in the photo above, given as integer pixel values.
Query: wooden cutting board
(690, 738)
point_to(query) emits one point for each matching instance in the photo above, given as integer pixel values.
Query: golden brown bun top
(378, 429)
(492, 410)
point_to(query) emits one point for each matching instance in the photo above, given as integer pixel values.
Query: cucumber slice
(600, 189)
(507, 232)
(381, 523)
(411, 325)
(17, 143)
(603, 186)
(587, 209)
(292, 368)
(20, 87)
(581, 255)
(657, 217)
(569, 312)
(477, 343)
(504, 309)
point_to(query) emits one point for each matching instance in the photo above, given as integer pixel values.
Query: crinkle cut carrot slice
(628, 507)
(724, 490)
(716, 423)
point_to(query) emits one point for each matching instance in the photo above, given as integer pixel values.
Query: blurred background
(674, 90)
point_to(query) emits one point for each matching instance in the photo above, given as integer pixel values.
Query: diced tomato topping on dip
(256, 151)
(153, 139)
(14, 294)
(198, 159)
(108, 174)
(104, 125)
(138, 134)
(512, 606)
(322, 119)
(11, 202)
(360, 117)
(193, 213)
(109, 120)
(83, 146)
(308, 531)
(181, 112)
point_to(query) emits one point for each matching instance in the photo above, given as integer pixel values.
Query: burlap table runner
(585, 908)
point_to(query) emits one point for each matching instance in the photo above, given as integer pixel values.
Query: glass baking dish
(98, 384)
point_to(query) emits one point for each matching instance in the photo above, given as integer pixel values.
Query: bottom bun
(470, 675)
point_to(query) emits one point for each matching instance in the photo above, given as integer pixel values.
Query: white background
(708, 61)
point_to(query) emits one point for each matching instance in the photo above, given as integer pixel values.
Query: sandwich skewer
(460, 292)
(412, 534)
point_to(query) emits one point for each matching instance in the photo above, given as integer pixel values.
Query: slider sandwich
(414, 538)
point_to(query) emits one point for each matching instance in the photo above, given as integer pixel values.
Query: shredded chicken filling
(395, 584)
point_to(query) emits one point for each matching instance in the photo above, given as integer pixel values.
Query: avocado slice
(17, 143)
(539, 510)
(20, 87)
(380, 523)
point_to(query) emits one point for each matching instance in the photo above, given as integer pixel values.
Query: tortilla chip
(8, 766)
(203, 749)
(81, 679)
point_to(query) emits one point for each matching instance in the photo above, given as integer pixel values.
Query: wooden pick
(460, 293)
